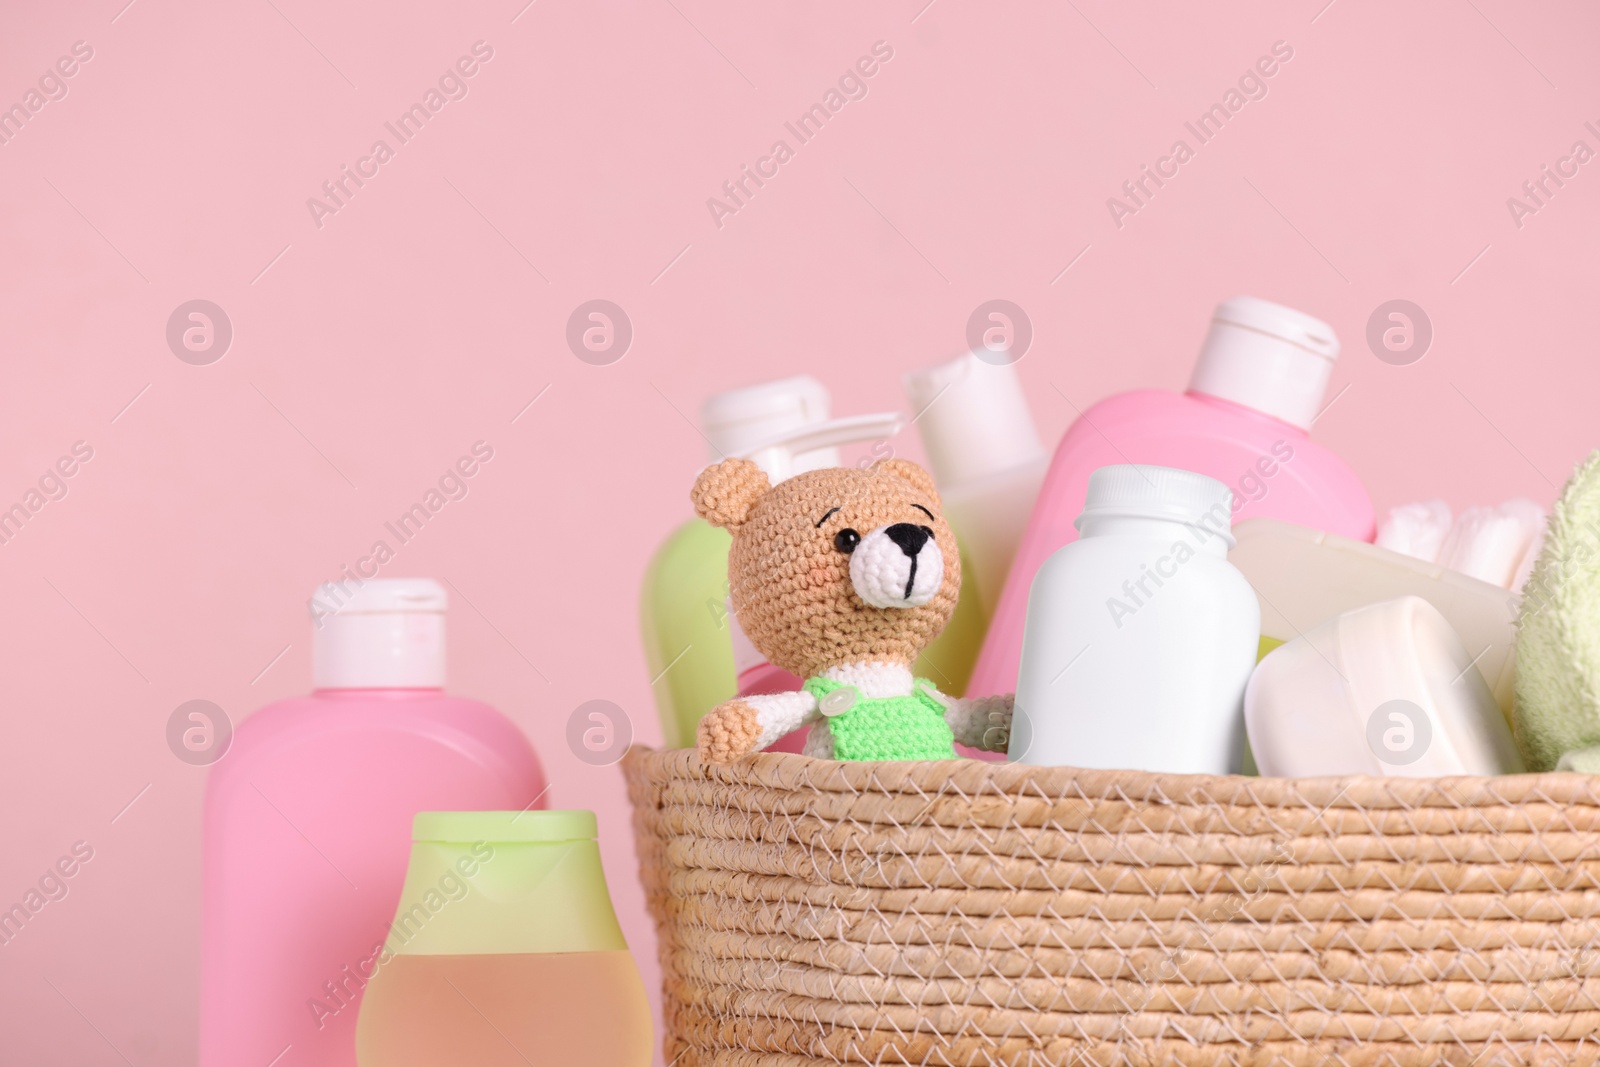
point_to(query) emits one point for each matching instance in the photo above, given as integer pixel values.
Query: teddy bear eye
(846, 541)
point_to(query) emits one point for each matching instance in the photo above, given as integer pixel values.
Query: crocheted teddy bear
(842, 576)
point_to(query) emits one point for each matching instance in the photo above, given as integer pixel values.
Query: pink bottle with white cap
(1256, 389)
(308, 824)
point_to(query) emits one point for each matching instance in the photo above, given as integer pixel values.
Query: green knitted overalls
(888, 728)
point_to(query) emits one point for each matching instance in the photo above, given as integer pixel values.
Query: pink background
(427, 312)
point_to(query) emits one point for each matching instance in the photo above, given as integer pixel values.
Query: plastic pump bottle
(695, 650)
(1256, 389)
(308, 823)
(1141, 635)
(683, 611)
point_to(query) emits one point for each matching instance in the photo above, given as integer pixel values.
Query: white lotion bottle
(1140, 635)
(986, 458)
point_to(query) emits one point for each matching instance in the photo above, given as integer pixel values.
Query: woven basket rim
(971, 777)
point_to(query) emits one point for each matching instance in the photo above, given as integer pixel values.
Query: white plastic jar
(1140, 635)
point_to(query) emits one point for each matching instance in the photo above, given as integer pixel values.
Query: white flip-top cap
(1267, 357)
(974, 419)
(738, 420)
(388, 633)
(1141, 492)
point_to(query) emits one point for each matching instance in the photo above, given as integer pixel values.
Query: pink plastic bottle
(1257, 387)
(308, 824)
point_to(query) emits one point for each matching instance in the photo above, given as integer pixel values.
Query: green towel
(1582, 760)
(1558, 635)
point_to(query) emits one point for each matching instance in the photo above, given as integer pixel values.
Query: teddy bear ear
(908, 471)
(725, 492)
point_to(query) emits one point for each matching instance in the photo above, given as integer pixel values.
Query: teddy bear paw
(728, 731)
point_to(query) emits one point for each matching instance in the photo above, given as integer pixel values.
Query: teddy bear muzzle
(897, 566)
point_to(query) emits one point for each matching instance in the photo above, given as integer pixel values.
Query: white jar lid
(1388, 689)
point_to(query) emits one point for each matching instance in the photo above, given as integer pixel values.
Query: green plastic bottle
(683, 603)
(504, 951)
(684, 615)
(696, 655)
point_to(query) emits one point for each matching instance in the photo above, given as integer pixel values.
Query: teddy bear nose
(897, 566)
(910, 538)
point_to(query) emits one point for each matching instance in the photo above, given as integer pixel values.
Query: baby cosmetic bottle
(1258, 385)
(1141, 635)
(308, 823)
(505, 951)
(696, 653)
(683, 603)
(988, 462)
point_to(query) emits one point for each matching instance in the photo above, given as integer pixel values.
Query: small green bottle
(504, 951)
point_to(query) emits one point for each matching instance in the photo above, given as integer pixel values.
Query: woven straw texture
(968, 913)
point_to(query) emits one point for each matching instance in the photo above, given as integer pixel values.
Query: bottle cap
(739, 419)
(1267, 357)
(387, 633)
(1165, 493)
(973, 418)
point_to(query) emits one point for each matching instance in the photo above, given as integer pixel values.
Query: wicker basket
(970, 913)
